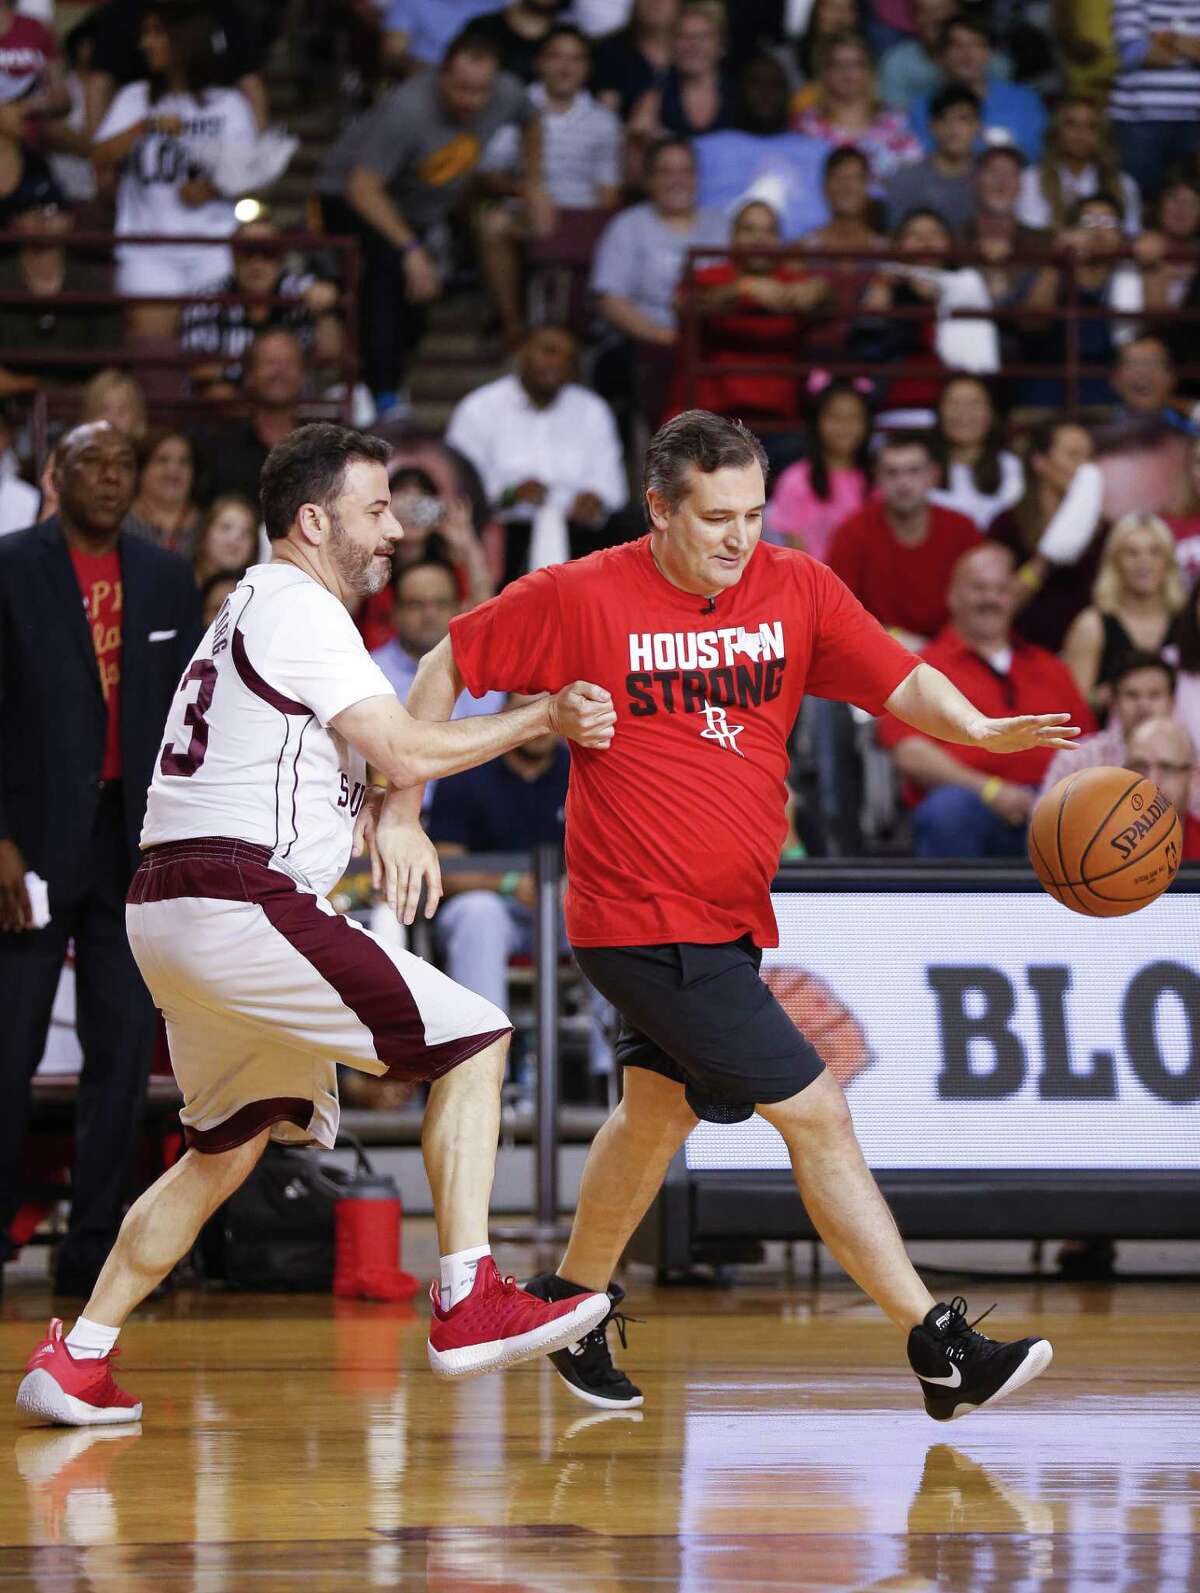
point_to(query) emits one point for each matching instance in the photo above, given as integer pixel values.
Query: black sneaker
(587, 1367)
(960, 1370)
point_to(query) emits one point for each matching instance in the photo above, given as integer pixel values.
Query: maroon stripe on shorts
(254, 681)
(358, 969)
(248, 1121)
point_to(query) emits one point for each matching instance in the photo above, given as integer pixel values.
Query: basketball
(1105, 842)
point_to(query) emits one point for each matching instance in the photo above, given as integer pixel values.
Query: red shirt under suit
(674, 831)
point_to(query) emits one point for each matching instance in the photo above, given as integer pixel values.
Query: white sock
(458, 1274)
(90, 1341)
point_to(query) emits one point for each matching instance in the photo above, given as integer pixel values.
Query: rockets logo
(720, 730)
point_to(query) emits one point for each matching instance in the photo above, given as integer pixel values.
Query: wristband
(990, 789)
(509, 882)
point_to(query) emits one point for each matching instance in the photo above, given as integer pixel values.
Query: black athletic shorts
(701, 1015)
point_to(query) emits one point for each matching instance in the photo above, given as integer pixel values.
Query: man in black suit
(96, 628)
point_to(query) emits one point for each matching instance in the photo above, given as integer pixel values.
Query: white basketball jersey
(248, 752)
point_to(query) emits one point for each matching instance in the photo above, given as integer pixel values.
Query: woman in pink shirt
(813, 496)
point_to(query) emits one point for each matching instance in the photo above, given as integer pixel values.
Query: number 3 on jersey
(186, 763)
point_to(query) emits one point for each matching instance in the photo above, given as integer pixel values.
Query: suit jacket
(52, 713)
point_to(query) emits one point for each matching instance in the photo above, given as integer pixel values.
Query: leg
(478, 934)
(624, 1171)
(954, 822)
(843, 1199)
(161, 1226)
(458, 1142)
(500, 259)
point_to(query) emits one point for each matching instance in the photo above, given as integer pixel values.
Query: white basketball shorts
(265, 988)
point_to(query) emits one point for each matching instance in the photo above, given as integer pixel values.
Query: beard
(362, 570)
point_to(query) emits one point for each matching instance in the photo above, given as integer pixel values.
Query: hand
(12, 121)
(996, 251)
(1025, 732)
(583, 713)
(49, 504)
(587, 509)
(15, 910)
(422, 276)
(542, 215)
(663, 336)
(367, 821)
(1013, 803)
(764, 291)
(319, 297)
(403, 858)
(1149, 249)
(530, 492)
(457, 528)
(169, 126)
(196, 191)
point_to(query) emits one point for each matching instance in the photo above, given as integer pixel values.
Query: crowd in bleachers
(950, 255)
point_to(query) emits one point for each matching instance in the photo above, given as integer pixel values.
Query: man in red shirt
(1162, 750)
(707, 639)
(897, 552)
(969, 801)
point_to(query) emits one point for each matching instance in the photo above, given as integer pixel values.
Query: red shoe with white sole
(74, 1393)
(498, 1323)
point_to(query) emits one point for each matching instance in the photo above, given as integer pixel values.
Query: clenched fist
(583, 713)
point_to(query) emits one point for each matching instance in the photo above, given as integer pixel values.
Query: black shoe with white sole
(587, 1367)
(961, 1371)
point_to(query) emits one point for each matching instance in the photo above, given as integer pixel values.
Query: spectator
(1183, 650)
(548, 453)
(1144, 382)
(159, 142)
(1137, 593)
(1170, 285)
(968, 802)
(116, 397)
(512, 804)
(395, 175)
(260, 276)
(759, 158)
(751, 308)
(518, 33)
(438, 528)
(214, 591)
(46, 269)
(1060, 512)
(982, 478)
(1156, 93)
(1185, 526)
(1163, 751)
(1143, 687)
(19, 500)
(846, 110)
(827, 19)
(581, 161)
(227, 539)
(909, 71)
(1010, 111)
(425, 599)
(72, 799)
(697, 93)
(897, 552)
(943, 180)
(420, 32)
(163, 509)
(637, 268)
(67, 139)
(1093, 236)
(812, 497)
(1083, 30)
(115, 34)
(1080, 161)
(33, 90)
(26, 181)
(273, 384)
(635, 59)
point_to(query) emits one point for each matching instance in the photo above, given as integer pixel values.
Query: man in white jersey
(260, 787)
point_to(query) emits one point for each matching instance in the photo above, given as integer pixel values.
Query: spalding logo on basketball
(1105, 841)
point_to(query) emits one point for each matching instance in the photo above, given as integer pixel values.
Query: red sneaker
(75, 1393)
(498, 1323)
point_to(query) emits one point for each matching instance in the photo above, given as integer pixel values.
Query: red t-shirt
(99, 577)
(902, 586)
(1036, 683)
(744, 332)
(674, 831)
(1191, 838)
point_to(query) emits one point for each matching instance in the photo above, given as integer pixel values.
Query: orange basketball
(1105, 841)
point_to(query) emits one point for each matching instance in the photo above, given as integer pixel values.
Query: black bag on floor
(277, 1230)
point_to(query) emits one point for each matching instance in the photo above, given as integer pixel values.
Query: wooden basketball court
(301, 1443)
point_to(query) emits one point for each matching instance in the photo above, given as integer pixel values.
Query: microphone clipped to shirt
(710, 604)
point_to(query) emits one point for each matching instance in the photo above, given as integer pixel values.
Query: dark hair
(153, 440)
(660, 147)
(1135, 658)
(951, 95)
(566, 30)
(818, 465)
(986, 474)
(925, 213)
(413, 476)
(806, 45)
(425, 562)
(701, 439)
(471, 40)
(963, 19)
(1001, 152)
(846, 155)
(309, 466)
(1185, 633)
(1077, 209)
(189, 26)
(218, 578)
(905, 437)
